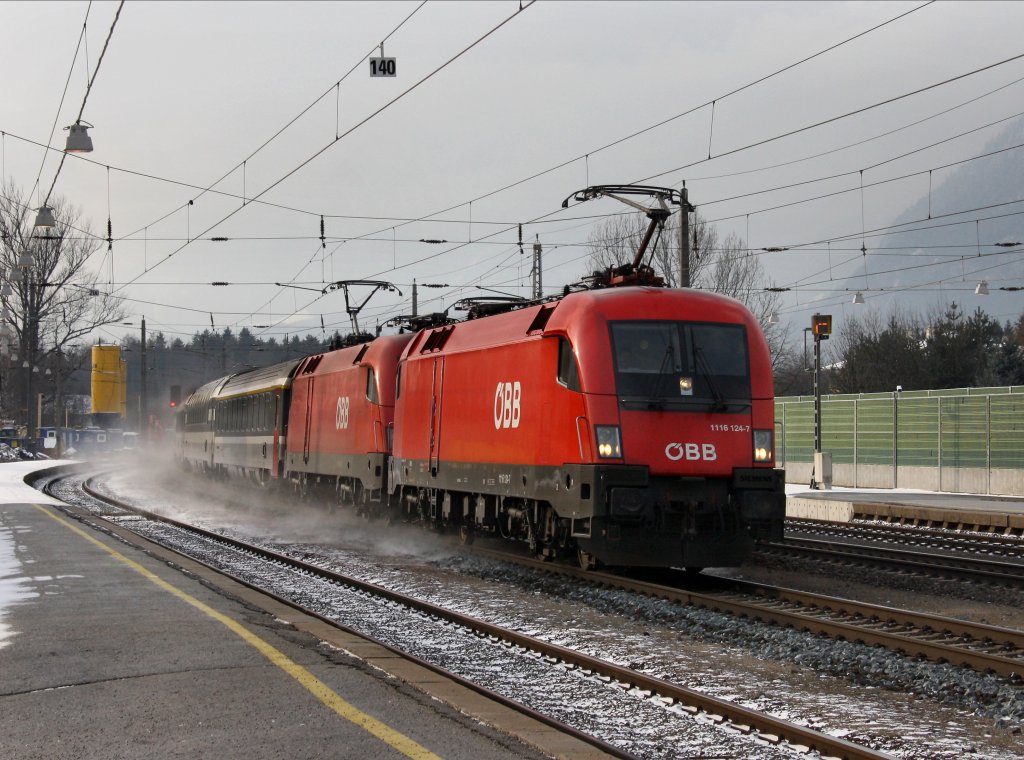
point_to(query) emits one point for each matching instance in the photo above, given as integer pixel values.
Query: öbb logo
(506, 405)
(692, 452)
(341, 414)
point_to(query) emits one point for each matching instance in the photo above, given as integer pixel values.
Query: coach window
(568, 372)
(371, 386)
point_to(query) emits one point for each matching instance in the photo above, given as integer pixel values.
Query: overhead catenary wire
(736, 90)
(85, 99)
(586, 155)
(352, 129)
(495, 242)
(789, 133)
(280, 131)
(60, 106)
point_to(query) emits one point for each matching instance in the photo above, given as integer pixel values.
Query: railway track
(837, 548)
(764, 730)
(983, 545)
(978, 646)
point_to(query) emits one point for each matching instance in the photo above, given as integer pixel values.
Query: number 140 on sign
(382, 67)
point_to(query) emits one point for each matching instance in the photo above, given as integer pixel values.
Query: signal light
(175, 395)
(822, 325)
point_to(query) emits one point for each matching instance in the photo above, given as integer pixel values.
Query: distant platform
(994, 514)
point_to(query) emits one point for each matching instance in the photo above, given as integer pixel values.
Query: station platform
(111, 647)
(958, 511)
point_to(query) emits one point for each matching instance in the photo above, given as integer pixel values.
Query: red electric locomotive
(340, 422)
(632, 424)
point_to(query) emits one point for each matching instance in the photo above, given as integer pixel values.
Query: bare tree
(721, 266)
(53, 301)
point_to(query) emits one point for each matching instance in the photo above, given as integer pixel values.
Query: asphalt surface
(109, 651)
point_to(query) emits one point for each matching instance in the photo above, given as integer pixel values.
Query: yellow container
(109, 381)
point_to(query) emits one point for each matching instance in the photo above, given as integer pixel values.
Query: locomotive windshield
(694, 365)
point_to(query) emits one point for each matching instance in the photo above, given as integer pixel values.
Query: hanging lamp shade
(78, 138)
(26, 260)
(17, 275)
(982, 289)
(6, 289)
(773, 318)
(44, 217)
(858, 297)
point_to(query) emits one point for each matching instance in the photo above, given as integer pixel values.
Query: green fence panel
(960, 427)
(918, 432)
(838, 430)
(874, 431)
(799, 431)
(964, 429)
(1007, 431)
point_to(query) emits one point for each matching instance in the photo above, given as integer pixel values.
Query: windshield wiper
(720, 404)
(655, 401)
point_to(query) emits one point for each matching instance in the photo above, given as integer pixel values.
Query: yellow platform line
(314, 685)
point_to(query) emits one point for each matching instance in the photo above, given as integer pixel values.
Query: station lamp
(78, 138)
(44, 217)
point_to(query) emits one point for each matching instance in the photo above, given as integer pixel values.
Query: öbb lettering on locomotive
(507, 400)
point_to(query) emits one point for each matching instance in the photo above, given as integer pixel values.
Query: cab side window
(371, 386)
(568, 372)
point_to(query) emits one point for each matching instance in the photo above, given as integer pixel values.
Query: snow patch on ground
(14, 587)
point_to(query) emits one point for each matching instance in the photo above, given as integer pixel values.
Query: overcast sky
(187, 92)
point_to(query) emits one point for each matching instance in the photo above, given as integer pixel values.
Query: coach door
(437, 387)
(308, 422)
(275, 461)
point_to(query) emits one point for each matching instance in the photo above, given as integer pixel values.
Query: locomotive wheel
(587, 560)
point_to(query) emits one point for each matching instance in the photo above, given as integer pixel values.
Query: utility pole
(821, 475)
(143, 406)
(415, 303)
(536, 278)
(684, 237)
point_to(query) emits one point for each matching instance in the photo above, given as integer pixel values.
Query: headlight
(763, 446)
(609, 443)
